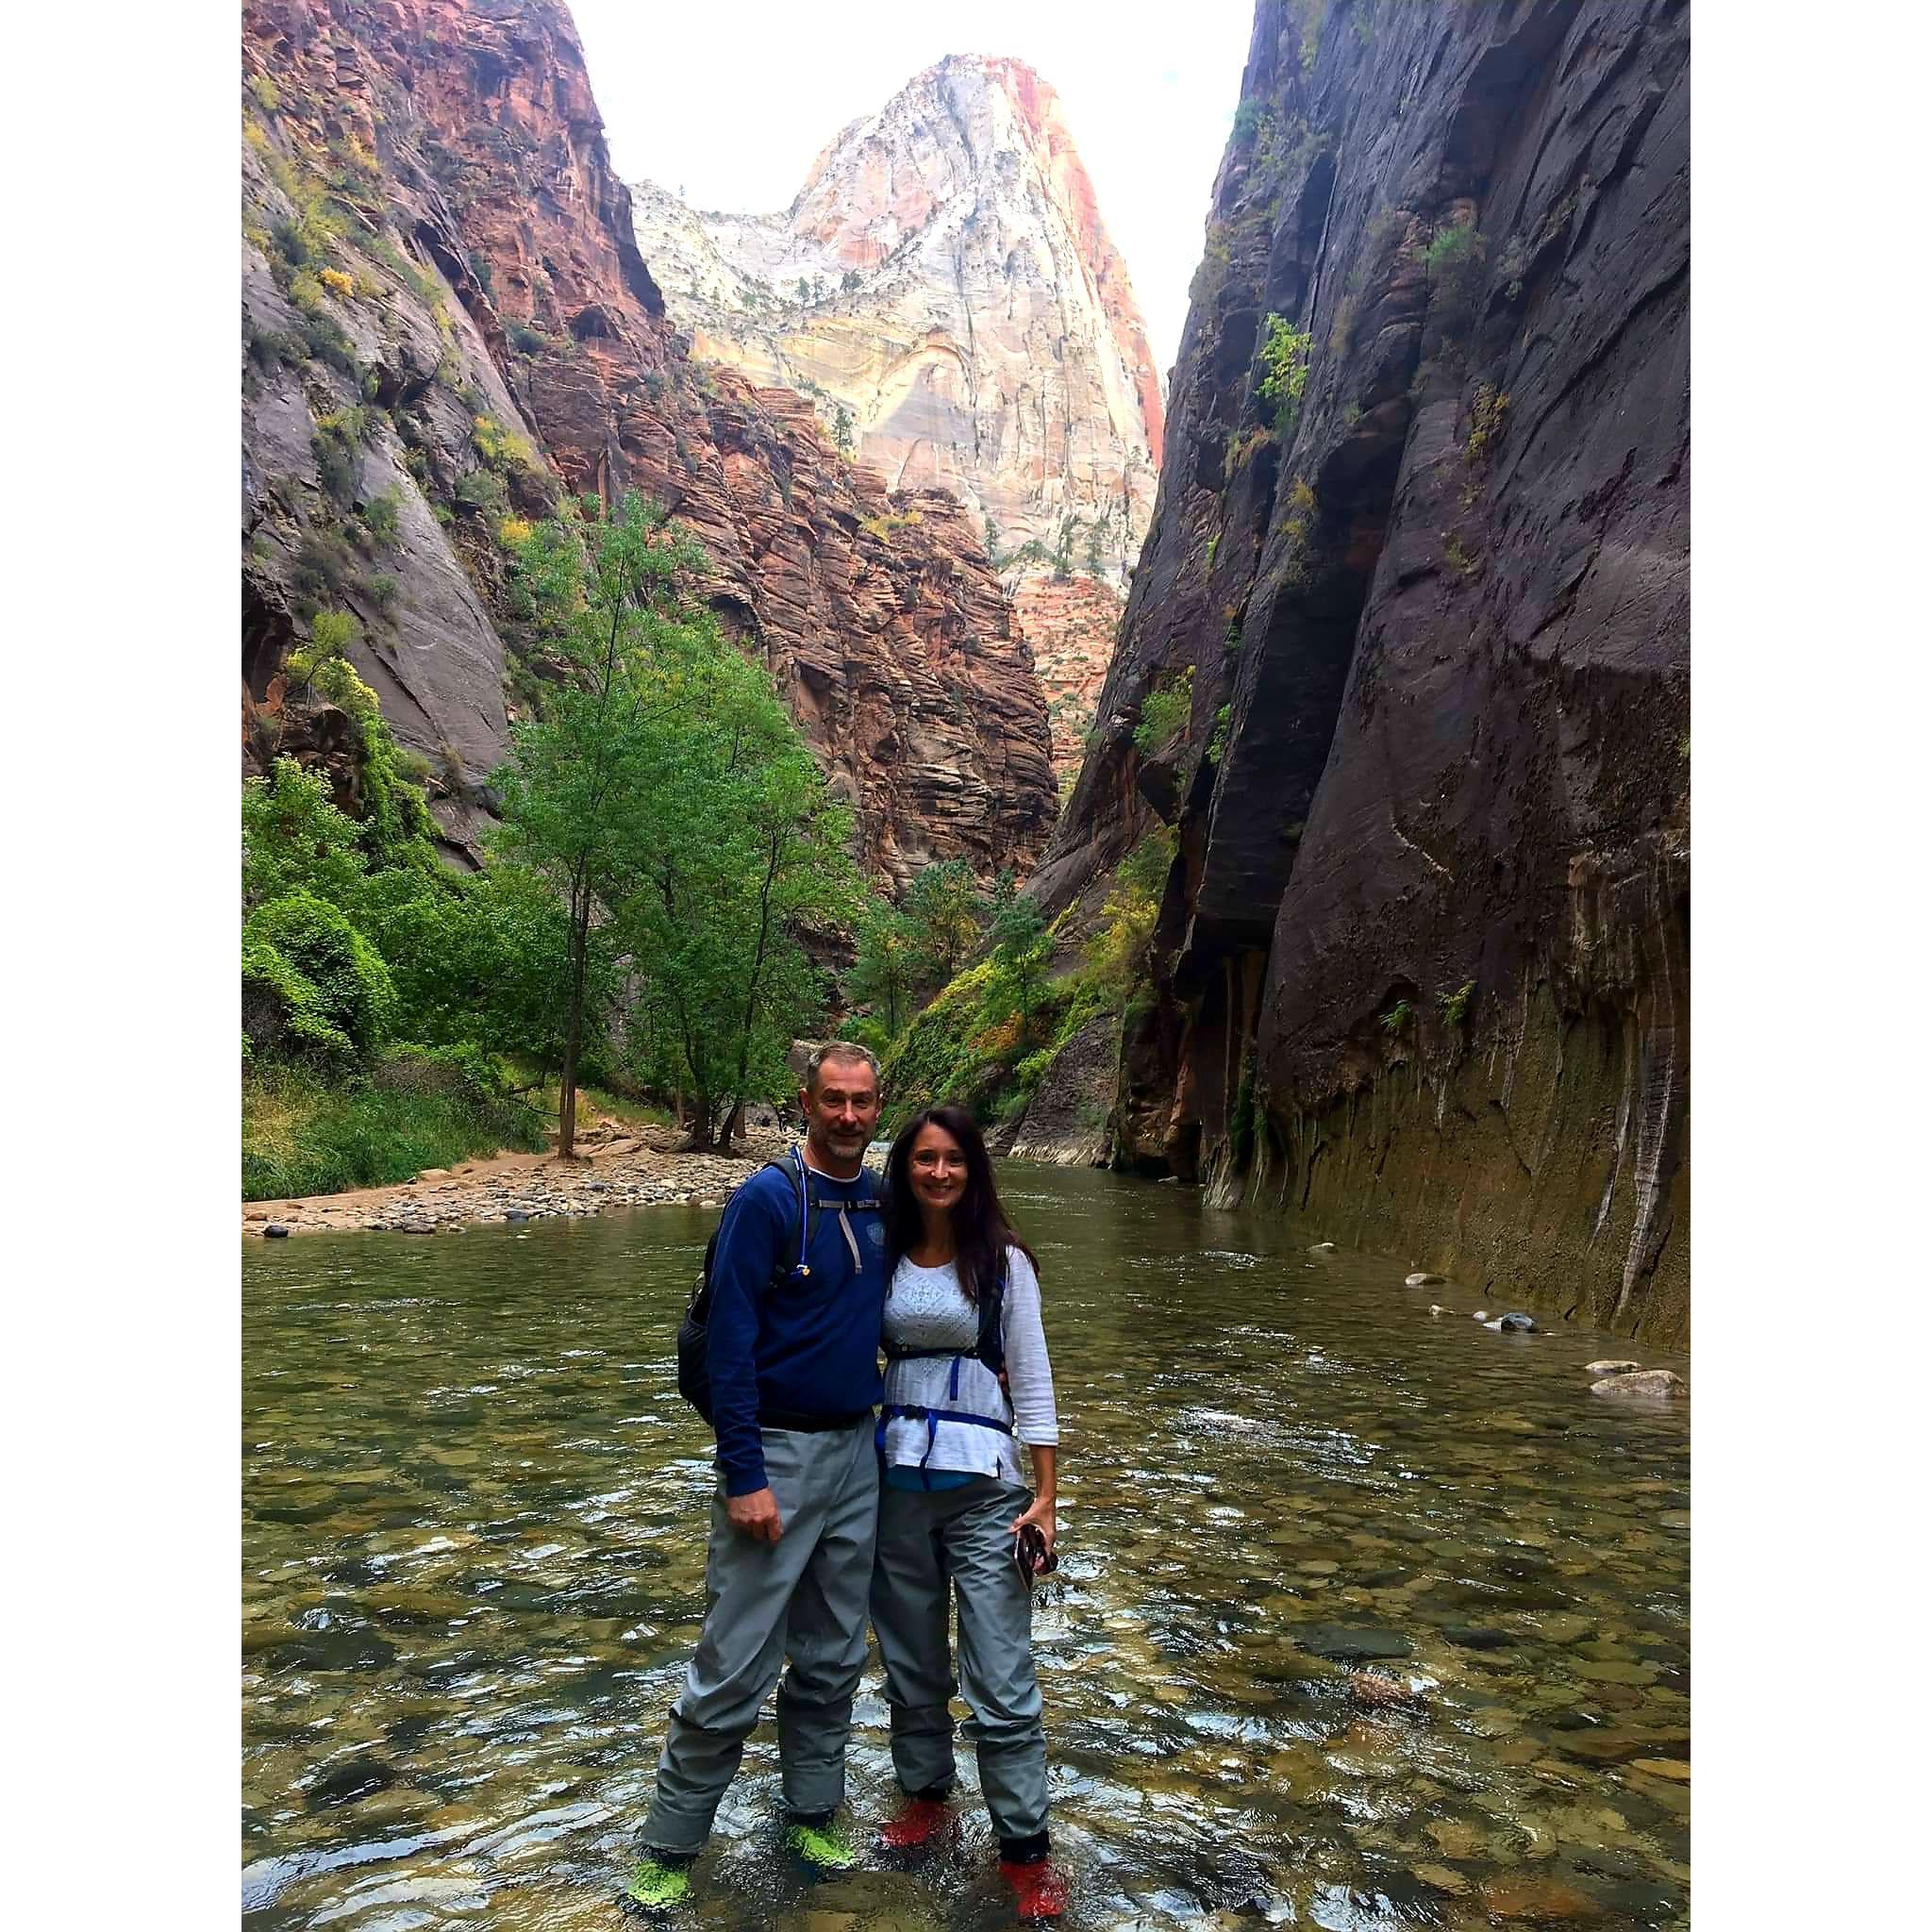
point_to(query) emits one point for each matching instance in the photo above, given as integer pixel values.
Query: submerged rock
(1422, 1281)
(1478, 1636)
(1437, 1308)
(1663, 1384)
(1517, 1323)
(276, 1231)
(1321, 1248)
(1610, 1368)
(1349, 1646)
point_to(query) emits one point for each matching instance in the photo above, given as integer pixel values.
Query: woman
(963, 1305)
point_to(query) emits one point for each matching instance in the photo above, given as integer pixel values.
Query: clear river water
(1365, 1618)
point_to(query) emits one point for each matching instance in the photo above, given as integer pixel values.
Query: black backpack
(694, 1336)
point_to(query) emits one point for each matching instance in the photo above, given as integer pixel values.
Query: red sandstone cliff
(482, 265)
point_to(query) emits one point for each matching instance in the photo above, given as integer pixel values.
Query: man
(794, 1355)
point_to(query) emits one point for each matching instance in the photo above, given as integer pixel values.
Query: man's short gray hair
(848, 1050)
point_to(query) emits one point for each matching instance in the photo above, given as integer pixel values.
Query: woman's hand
(1040, 1515)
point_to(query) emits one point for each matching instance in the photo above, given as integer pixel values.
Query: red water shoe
(1040, 1890)
(918, 1821)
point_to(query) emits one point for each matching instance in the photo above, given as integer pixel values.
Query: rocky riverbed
(616, 1165)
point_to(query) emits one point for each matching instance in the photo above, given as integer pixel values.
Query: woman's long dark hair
(980, 1228)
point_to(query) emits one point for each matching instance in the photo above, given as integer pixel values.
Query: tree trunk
(567, 1103)
(731, 1126)
(700, 1142)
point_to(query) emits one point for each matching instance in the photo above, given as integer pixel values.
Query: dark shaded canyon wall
(480, 187)
(1422, 972)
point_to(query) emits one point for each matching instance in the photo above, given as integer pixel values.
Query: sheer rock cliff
(448, 321)
(943, 286)
(1422, 970)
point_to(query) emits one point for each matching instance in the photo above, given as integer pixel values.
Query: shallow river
(473, 1572)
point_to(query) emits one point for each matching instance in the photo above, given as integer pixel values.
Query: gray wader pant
(802, 1597)
(930, 1546)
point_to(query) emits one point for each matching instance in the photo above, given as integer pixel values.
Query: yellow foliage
(997, 1040)
(501, 448)
(1489, 409)
(255, 134)
(333, 279)
(512, 531)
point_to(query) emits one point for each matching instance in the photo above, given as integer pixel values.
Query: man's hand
(756, 1515)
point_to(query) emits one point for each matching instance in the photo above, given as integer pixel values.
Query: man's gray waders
(804, 1598)
(926, 1544)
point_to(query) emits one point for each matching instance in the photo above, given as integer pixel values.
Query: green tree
(296, 839)
(576, 792)
(945, 908)
(842, 436)
(887, 968)
(742, 850)
(1022, 948)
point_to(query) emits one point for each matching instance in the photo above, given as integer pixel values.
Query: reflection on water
(1364, 1619)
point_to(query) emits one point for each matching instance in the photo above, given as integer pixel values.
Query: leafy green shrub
(338, 456)
(382, 516)
(1164, 713)
(1455, 1004)
(294, 839)
(1455, 261)
(1285, 370)
(312, 983)
(483, 491)
(1217, 744)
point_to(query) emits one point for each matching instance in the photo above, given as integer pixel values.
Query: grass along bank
(304, 1134)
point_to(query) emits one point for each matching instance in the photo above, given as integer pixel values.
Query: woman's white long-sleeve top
(925, 1307)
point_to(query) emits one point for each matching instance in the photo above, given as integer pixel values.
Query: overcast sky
(728, 103)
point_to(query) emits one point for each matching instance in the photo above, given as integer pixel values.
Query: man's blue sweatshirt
(791, 1349)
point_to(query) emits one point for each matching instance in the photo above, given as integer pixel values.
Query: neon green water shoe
(657, 1884)
(826, 1847)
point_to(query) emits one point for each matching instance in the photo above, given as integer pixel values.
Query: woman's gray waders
(802, 1598)
(927, 1544)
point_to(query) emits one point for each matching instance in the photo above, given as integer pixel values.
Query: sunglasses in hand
(1032, 1556)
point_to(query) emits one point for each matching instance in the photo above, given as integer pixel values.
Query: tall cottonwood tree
(670, 799)
(746, 852)
(609, 609)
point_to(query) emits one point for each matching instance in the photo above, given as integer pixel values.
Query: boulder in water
(1422, 1281)
(1610, 1368)
(1519, 1324)
(1481, 1315)
(1658, 1384)
(1437, 1308)
(276, 1231)
(1321, 1248)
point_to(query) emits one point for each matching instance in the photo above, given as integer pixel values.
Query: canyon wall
(447, 322)
(944, 289)
(1421, 977)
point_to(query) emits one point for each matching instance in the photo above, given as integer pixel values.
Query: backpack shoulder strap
(990, 1348)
